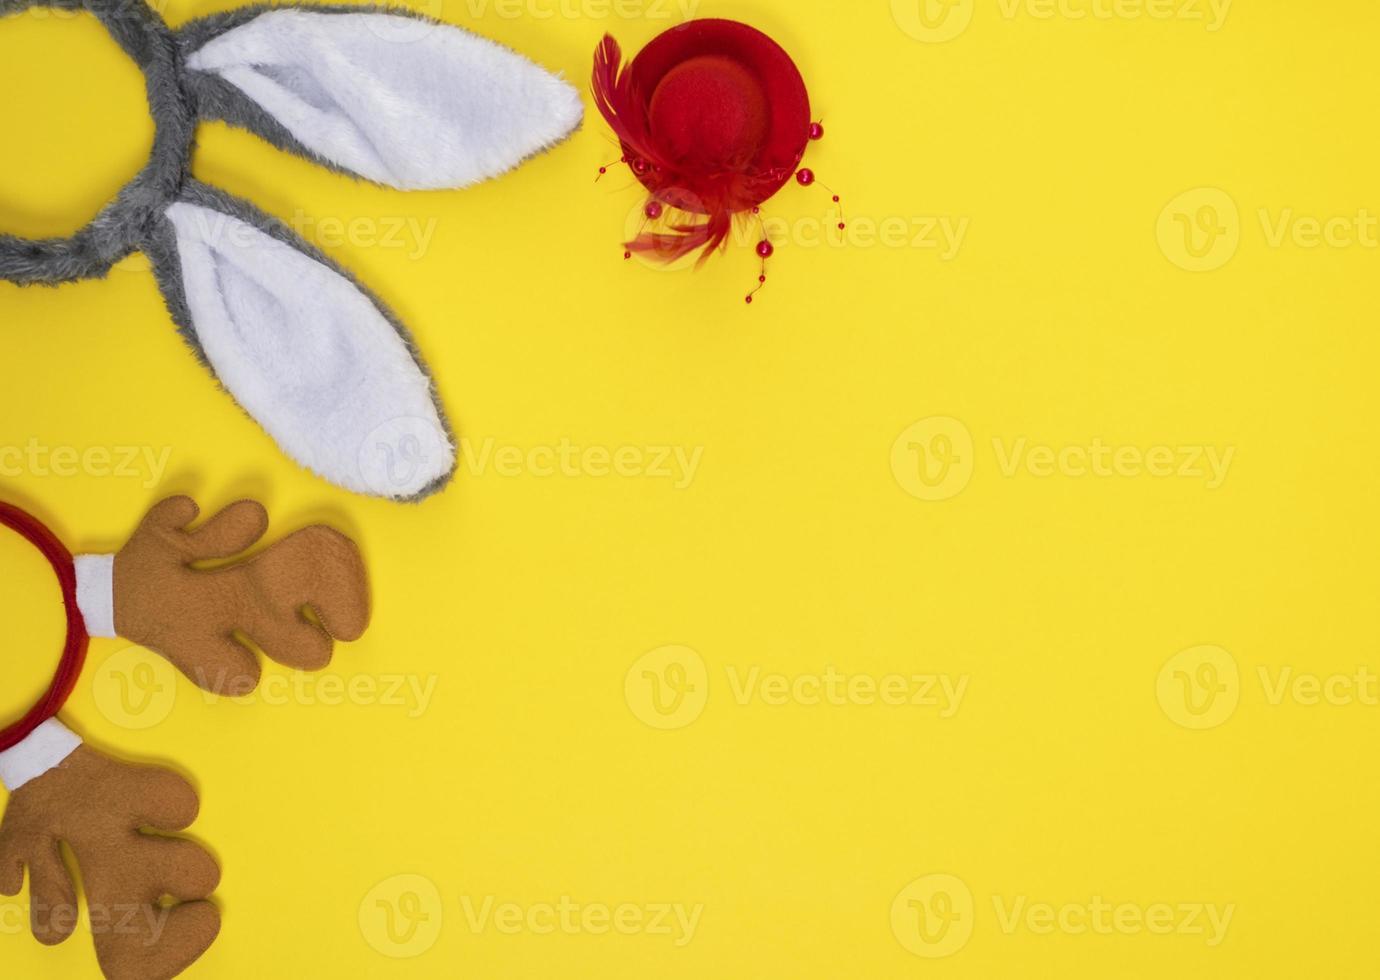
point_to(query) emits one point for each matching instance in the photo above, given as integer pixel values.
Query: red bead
(806, 177)
(603, 170)
(842, 226)
(749, 301)
(836, 199)
(765, 249)
(816, 131)
(641, 166)
(761, 278)
(653, 210)
(627, 255)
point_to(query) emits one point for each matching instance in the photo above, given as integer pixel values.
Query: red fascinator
(714, 119)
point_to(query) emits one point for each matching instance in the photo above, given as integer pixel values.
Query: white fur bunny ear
(320, 363)
(389, 96)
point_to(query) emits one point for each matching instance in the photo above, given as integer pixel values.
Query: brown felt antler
(196, 616)
(99, 807)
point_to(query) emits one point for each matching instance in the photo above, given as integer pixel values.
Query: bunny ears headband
(380, 94)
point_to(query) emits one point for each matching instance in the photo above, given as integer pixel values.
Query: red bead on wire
(603, 171)
(806, 178)
(765, 250)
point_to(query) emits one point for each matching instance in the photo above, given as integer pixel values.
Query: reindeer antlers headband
(380, 94)
(63, 791)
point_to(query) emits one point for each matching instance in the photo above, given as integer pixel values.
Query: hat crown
(711, 110)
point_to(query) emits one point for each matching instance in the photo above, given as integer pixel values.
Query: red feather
(624, 108)
(684, 239)
(620, 105)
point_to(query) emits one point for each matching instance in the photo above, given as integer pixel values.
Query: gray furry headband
(380, 94)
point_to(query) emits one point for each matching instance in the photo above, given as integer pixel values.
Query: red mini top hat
(714, 119)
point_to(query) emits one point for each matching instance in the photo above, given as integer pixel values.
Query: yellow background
(1064, 318)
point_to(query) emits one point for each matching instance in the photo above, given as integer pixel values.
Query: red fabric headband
(74, 650)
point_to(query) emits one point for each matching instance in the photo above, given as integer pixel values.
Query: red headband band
(74, 650)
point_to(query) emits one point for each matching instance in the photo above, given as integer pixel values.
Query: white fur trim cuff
(45, 749)
(96, 593)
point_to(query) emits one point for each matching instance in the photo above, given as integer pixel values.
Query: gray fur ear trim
(382, 94)
(115, 232)
(317, 360)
